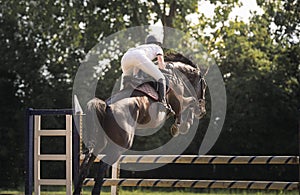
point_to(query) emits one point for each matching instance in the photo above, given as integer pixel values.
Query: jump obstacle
(34, 157)
(72, 158)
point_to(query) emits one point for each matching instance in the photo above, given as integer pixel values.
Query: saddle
(148, 88)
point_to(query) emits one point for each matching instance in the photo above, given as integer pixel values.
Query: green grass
(159, 191)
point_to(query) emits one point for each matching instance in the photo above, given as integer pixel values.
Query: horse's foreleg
(175, 127)
(84, 171)
(182, 123)
(188, 119)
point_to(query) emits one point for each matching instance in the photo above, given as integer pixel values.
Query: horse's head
(197, 81)
(195, 78)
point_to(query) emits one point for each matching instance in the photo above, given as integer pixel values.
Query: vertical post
(29, 152)
(33, 157)
(77, 143)
(69, 154)
(115, 173)
(76, 153)
(37, 152)
(80, 131)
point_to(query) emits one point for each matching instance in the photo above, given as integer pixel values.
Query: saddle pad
(148, 90)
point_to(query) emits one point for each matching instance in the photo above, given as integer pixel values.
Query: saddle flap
(148, 90)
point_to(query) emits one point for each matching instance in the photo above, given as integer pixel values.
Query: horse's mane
(182, 64)
(177, 57)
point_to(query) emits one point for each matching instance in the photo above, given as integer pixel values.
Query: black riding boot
(161, 91)
(161, 95)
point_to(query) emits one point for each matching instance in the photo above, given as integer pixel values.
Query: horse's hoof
(76, 193)
(184, 128)
(174, 130)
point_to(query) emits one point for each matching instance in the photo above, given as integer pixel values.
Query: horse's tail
(93, 126)
(98, 107)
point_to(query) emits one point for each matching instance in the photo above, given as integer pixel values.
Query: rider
(141, 57)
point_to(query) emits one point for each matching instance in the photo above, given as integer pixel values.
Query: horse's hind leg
(99, 177)
(85, 166)
(111, 157)
(84, 171)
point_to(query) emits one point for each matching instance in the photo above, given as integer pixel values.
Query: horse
(112, 124)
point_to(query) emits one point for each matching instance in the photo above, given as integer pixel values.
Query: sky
(242, 12)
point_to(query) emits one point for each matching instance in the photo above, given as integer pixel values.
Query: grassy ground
(160, 191)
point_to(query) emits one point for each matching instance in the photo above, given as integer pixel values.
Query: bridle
(200, 99)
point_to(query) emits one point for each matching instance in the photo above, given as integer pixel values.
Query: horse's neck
(188, 71)
(185, 68)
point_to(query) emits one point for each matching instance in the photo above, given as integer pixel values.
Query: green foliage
(285, 15)
(262, 82)
(173, 13)
(42, 44)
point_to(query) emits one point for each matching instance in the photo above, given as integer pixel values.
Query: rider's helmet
(151, 39)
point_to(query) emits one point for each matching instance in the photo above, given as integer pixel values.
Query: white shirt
(150, 50)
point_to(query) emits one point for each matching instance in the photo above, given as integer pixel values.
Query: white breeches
(134, 60)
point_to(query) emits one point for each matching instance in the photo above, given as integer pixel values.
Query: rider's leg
(161, 84)
(162, 95)
(137, 60)
(151, 69)
(128, 66)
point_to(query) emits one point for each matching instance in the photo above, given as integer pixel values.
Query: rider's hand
(161, 62)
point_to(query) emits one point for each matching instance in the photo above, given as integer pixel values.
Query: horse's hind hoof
(174, 130)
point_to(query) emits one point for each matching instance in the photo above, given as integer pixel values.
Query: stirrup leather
(167, 107)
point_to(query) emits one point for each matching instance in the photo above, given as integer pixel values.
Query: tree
(43, 43)
(258, 64)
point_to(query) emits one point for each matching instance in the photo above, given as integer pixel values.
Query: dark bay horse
(111, 125)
